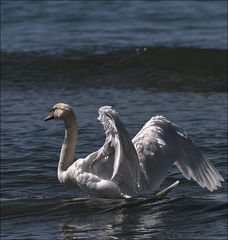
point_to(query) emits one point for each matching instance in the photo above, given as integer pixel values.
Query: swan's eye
(52, 110)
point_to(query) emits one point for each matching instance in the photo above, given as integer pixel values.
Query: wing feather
(160, 144)
(118, 153)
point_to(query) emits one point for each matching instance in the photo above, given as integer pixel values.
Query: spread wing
(117, 159)
(160, 144)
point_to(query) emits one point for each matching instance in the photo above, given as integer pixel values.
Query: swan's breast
(97, 187)
(92, 184)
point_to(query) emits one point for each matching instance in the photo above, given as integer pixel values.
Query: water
(100, 26)
(143, 59)
(34, 204)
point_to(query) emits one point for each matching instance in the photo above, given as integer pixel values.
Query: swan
(125, 168)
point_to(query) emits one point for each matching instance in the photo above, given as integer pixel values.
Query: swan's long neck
(68, 147)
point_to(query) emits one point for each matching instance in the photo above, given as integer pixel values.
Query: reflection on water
(170, 218)
(115, 224)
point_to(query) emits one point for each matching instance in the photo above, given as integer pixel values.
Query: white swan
(122, 167)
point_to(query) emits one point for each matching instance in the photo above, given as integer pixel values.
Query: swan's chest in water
(85, 180)
(92, 184)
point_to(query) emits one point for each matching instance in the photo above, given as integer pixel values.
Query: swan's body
(122, 167)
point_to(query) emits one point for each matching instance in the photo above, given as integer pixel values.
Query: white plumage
(160, 144)
(125, 167)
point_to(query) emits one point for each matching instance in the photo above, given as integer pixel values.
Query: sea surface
(143, 58)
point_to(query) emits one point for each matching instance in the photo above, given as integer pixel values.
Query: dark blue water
(98, 26)
(143, 58)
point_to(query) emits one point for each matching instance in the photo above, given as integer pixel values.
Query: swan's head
(59, 111)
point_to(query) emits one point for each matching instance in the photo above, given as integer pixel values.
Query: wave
(30, 206)
(171, 69)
